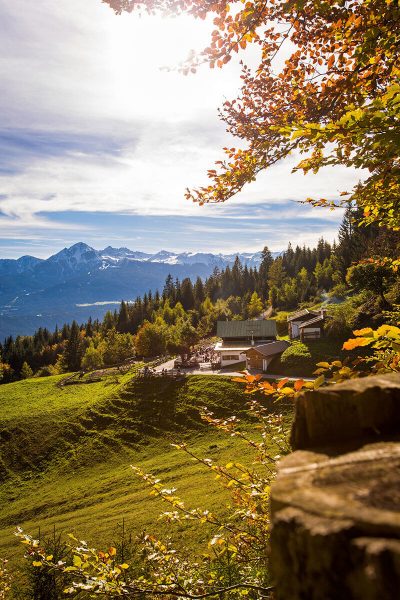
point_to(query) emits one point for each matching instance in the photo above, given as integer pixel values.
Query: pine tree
(237, 278)
(345, 251)
(26, 371)
(123, 318)
(266, 262)
(198, 291)
(255, 306)
(89, 328)
(74, 349)
(277, 274)
(187, 296)
(108, 321)
(169, 289)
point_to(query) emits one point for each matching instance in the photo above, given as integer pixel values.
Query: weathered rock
(321, 508)
(350, 411)
(376, 569)
(336, 502)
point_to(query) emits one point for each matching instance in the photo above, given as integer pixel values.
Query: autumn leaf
(365, 331)
(281, 383)
(356, 342)
(319, 381)
(299, 384)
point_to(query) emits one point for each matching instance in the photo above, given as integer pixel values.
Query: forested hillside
(356, 290)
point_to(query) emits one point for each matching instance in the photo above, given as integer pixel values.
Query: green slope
(65, 452)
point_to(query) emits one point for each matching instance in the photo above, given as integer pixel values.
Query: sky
(100, 135)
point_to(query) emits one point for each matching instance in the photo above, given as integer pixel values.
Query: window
(230, 357)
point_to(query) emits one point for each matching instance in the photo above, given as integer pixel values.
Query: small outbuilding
(306, 324)
(260, 357)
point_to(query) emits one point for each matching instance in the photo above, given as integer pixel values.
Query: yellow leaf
(287, 391)
(385, 329)
(77, 561)
(319, 381)
(356, 342)
(365, 331)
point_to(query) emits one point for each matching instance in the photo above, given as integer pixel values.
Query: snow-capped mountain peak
(80, 255)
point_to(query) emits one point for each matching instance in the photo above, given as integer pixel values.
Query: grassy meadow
(66, 454)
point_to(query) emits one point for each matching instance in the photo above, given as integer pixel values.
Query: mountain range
(80, 281)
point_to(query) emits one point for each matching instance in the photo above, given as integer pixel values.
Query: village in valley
(250, 345)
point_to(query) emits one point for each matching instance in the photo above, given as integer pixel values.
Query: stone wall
(336, 500)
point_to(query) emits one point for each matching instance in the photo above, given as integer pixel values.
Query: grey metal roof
(245, 329)
(272, 348)
(318, 319)
(301, 313)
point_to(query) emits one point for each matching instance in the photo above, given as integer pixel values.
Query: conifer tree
(74, 349)
(123, 318)
(255, 306)
(186, 293)
(266, 262)
(26, 371)
(169, 289)
(198, 291)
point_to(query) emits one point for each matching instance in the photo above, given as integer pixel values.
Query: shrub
(296, 355)
(340, 321)
(281, 323)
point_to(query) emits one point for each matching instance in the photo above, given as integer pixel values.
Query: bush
(281, 323)
(296, 355)
(340, 321)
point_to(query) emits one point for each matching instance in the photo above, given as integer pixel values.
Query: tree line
(184, 312)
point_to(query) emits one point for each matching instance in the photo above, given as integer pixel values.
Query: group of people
(148, 372)
(206, 354)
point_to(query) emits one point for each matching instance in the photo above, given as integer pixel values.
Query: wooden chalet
(306, 324)
(251, 342)
(260, 357)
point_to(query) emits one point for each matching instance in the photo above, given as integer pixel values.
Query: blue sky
(100, 136)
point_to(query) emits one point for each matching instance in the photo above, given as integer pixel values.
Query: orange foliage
(336, 97)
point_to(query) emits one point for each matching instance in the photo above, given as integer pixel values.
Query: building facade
(250, 342)
(306, 324)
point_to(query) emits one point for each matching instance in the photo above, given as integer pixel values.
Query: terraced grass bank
(65, 452)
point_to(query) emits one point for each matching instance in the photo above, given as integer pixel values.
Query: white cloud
(76, 68)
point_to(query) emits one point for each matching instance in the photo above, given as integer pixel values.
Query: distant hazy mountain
(80, 281)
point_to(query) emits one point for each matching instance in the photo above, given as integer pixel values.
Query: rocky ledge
(336, 506)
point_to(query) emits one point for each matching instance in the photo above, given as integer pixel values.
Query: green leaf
(77, 561)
